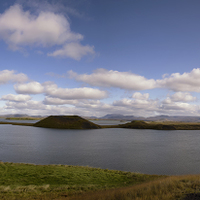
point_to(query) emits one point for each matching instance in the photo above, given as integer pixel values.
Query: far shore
(136, 124)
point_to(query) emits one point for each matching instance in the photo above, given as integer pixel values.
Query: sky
(98, 57)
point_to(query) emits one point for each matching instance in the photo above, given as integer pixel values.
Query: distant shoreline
(136, 124)
(23, 118)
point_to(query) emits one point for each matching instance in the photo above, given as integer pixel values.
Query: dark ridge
(137, 124)
(66, 122)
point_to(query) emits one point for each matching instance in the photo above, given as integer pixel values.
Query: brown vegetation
(173, 187)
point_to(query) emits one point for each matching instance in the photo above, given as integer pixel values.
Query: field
(29, 181)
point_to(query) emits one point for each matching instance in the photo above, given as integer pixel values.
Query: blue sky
(91, 58)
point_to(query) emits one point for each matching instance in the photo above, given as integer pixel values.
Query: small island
(66, 122)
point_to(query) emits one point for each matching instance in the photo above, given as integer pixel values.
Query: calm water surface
(145, 151)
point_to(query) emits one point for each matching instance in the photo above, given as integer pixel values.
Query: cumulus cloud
(137, 104)
(20, 28)
(179, 108)
(50, 89)
(29, 88)
(75, 93)
(136, 107)
(38, 108)
(179, 102)
(138, 95)
(73, 50)
(57, 101)
(182, 97)
(31, 105)
(18, 98)
(11, 76)
(186, 82)
(123, 80)
(86, 101)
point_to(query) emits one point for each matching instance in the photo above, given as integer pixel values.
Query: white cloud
(138, 95)
(186, 82)
(51, 90)
(86, 101)
(183, 97)
(57, 101)
(75, 93)
(136, 107)
(20, 28)
(179, 102)
(178, 108)
(29, 88)
(123, 80)
(11, 76)
(137, 104)
(38, 108)
(18, 98)
(73, 50)
(31, 105)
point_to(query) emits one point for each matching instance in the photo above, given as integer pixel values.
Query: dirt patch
(192, 196)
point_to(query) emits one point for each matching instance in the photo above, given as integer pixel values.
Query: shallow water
(145, 151)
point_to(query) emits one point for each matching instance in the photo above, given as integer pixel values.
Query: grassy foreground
(28, 181)
(170, 188)
(47, 182)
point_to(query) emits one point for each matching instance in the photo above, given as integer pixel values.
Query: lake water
(145, 151)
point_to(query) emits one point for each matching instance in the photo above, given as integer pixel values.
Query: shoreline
(136, 125)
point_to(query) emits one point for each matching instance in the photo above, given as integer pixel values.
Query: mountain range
(153, 118)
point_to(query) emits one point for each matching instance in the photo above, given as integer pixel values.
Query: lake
(146, 151)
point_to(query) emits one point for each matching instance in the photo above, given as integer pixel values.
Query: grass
(170, 188)
(28, 181)
(180, 125)
(48, 182)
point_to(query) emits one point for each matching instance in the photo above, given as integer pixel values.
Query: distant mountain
(15, 115)
(20, 116)
(153, 118)
(174, 118)
(112, 116)
(122, 117)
